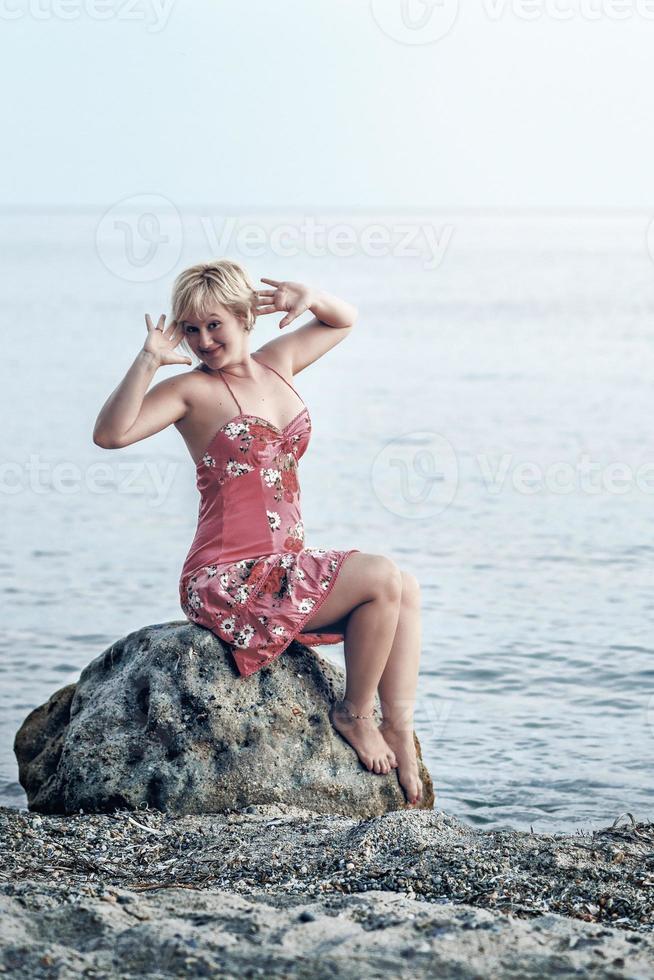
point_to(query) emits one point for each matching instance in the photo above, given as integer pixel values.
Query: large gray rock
(163, 718)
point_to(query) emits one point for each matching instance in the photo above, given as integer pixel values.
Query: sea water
(487, 425)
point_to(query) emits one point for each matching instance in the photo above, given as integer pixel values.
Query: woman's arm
(333, 318)
(129, 414)
(296, 298)
(331, 310)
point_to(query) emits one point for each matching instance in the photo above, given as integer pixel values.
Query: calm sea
(485, 425)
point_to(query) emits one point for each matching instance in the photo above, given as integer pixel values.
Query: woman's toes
(417, 796)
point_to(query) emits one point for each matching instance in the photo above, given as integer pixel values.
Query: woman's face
(215, 338)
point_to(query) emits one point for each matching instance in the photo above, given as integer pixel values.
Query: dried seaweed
(606, 877)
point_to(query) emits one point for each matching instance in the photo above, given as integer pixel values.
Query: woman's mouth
(210, 353)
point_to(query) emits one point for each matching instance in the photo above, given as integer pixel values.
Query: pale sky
(340, 103)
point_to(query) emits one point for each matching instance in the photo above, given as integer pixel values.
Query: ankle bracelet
(351, 715)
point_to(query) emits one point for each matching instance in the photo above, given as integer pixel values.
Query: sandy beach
(279, 891)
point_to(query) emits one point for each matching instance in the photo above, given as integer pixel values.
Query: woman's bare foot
(407, 765)
(365, 738)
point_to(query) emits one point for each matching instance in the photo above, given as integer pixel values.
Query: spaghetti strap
(284, 380)
(231, 392)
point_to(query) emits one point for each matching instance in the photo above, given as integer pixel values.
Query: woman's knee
(385, 579)
(410, 590)
(362, 578)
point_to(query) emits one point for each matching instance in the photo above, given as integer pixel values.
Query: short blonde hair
(223, 281)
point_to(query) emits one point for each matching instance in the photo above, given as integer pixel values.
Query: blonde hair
(222, 281)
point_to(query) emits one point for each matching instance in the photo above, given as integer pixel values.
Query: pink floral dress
(248, 576)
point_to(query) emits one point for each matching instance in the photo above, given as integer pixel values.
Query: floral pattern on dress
(235, 468)
(294, 536)
(257, 605)
(274, 520)
(269, 599)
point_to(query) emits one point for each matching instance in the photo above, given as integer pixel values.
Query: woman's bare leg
(369, 589)
(397, 688)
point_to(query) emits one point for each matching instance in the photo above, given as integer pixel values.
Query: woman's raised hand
(161, 343)
(291, 298)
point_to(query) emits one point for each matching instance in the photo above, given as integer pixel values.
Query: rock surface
(275, 891)
(162, 718)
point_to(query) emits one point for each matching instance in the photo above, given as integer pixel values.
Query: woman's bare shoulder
(275, 357)
(187, 382)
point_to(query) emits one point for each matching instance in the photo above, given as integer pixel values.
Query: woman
(248, 575)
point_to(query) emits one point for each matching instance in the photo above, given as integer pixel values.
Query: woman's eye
(214, 323)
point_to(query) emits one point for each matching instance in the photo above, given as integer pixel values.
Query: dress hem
(298, 633)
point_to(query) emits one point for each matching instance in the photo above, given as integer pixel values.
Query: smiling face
(218, 337)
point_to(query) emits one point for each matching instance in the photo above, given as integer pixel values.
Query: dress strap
(230, 391)
(284, 380)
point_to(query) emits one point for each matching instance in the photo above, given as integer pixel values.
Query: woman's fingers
(268, 300)
(278, 299)
(292, 314)
(160, 322)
